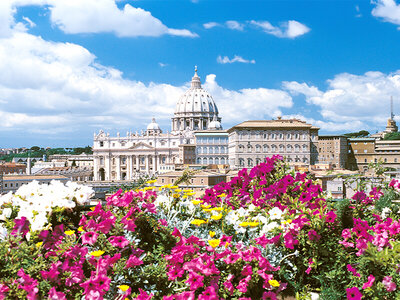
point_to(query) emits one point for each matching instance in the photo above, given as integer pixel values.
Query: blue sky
(69, 68)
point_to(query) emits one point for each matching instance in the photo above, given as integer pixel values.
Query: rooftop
(290, 123)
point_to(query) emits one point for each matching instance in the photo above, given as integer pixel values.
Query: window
(258, 148)
(202, 181)
(355, 151)
(365, 160)
(365, 151)
(101, 144)
(241, 148)
(395, 160)
(249, 162)
(249, 148)
(101, 160)
(5, 184)
(266, 148)
(162, 180)
(375, 160)
(241, 162)
(385, 159)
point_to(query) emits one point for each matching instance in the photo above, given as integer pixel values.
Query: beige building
(201, 180)
(251, 141)
(211, 147)
(333, 150)
(81, 160)
(12, 168)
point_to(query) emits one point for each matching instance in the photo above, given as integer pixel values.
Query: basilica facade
(152, 151)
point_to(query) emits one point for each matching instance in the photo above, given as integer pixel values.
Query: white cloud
(210, 25)
(247, 104)
(388, 10)
(60, 86)
(236, 58)
(234, 25)
(358, 99)
(29, 21)
(290, 29)
(93, 16)
(162, 65)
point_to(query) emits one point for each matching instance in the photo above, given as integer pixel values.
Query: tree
(391, 136)
(35, 148)
(360, 134)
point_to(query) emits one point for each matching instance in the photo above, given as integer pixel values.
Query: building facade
(152, 151)
(12, 168)
(211, 147)
(333, 149)
(251, 141)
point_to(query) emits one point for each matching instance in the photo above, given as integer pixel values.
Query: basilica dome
(195, 108)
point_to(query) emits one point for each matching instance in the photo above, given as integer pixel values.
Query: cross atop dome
(196, 83)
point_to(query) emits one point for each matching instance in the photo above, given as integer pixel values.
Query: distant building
(69, 160)
(12, 168)
(333, 149)
(251, 141)
(12, 183)
(200, 181)
(72, 173)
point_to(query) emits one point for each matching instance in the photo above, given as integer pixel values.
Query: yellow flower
(97, 253)
(149, 188)
(214, 243)
(198, 222)
(217, 217)
(253, 224)
(80, 229)
(218, 208)
(39, 244)
(176, 195)
(226, 245)
(207, 209)
(212, 233)
(151, 181)
(222, 195)
(69, 232)
(196, 202)
(191, 193)
(205, 206)
(274, 283)
(188, 191)
(92, 208)
(174, 187)
(123, 287)
(178, 190)
(244, 224)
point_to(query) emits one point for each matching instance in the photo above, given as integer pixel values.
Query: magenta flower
(353, 270)
(330, 217)
(195, 281)
(175, 272)
(247, 270)
(54, 295)
(353, 293)
(143, 295)
(369, 283)
(89, 237)
(290, 241)
(163, 222)
(209, 294)
(269, 296)
(389, 284)
(21, 226)
(118, 241)
(313, 235)
(133, 261)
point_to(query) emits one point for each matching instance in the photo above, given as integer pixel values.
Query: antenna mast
(391, 108)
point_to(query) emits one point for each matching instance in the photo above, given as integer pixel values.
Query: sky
(69, 68)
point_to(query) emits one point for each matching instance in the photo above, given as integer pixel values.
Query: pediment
(141, 146)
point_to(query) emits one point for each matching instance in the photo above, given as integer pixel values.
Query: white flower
(385, 212)
(275, 213)
(268, 227)
(3, 232)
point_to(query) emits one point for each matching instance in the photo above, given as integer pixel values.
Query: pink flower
(143, 296)
(3, 291)
(313, 235)
(89, 237)
(209, 294)
(290, 241)
(195, 281)
(269, 296)
(163, 222)
(247, 270)
(54, 295)
(353, 293)
(21, 226)
(133, 261)
(330, 217)
(353, 270)
(369, 283)
(242, 286)
(389, 284)
(118, 241)
(174, 273)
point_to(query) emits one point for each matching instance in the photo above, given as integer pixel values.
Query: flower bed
(267, 234)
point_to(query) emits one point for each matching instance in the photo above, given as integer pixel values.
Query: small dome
(153, 125)
(214, 124)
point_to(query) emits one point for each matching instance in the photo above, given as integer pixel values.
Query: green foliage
(391, 136)
(359, 134)
(344, 214)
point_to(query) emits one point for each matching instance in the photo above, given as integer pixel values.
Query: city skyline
(71, 68)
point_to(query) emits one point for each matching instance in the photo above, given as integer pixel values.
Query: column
(118, 162)
(153, 157)
(147, 163)
(137, 163)
(96, 167)
(130, 160)
(107, 171)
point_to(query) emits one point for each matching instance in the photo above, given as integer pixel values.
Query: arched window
(217, 161)
(258, 161)
(281, 148)
(222, 160)
(266, 148)
(210, 150)
(273, 136)
(199, 160)
(258, 148)
(241, 162)
(249, 162)
(289, 148)
(296, 148)
(241, 148)
(249, 148)
(205, 161)
(305, 148)
(305, 160)
(274, 148)
(288, 136)
(281, 136)
(211, 160)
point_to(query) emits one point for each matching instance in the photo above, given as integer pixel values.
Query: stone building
(251, 141)
(211, 147)
(333, 150)
(12, 168)
(153, 151)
